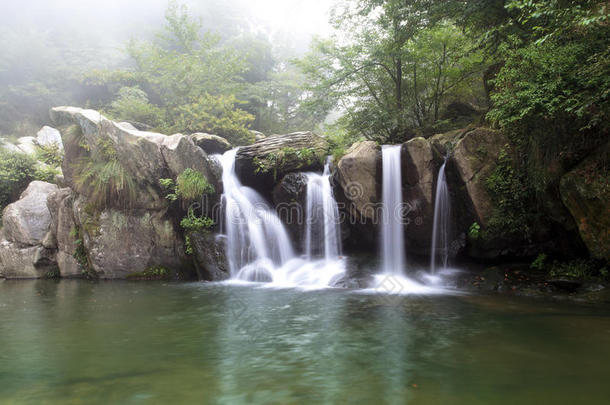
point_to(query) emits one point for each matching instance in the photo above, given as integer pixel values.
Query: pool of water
(77, 342)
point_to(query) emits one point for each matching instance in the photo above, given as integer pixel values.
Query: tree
(390, 69)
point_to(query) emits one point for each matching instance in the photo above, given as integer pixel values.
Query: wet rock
(210, 258)
(290, 199)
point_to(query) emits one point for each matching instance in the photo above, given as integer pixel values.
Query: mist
(47, 46)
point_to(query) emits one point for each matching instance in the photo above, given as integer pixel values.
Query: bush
(17, 170)
(192, 185)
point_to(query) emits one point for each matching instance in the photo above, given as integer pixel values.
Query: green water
(75, 342)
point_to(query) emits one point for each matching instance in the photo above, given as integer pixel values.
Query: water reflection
(71, 341)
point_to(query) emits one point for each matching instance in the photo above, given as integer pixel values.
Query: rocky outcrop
(290, 200)
(585, 191)
(211, 144)
(265, 162)
(26, 248)
(475, 157)
(120, 238)
(419, 171)
(210, 258)
(65, 229)
(145, 157)
(358, 176)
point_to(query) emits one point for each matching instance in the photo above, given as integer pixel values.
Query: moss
(52, 274)
(81, 254)
(287, 156)
(152, 273)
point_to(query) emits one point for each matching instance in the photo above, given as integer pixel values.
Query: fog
(47, 45)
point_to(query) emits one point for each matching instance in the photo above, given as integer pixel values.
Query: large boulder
(265, 162)
(119, 243)
(419, 170)
(145, 157)
(358, 176)
(49, 136)
(210, 258)
(211, 144)
(357, 188)
(27, 220)
(475, 157)
(20, 261)
(585, 191)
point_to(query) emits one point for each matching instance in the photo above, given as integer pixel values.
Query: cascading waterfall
(392, 230)
(441, 225)
(322, 234)
(258, 246)
(256, 239)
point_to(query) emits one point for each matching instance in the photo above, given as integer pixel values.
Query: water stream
(258, 246)
(441, 227)
(392, 229)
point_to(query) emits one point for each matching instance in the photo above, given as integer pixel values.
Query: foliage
(81, 255)
(474, 232)
(51, 154)
(192, 223)
(189, 186)
(17, 170)
(151, 273)
(132, 104)
(540, 262)
(582, 269)
(396, 70)
(277, 161)
(106, 181)
(510, 197)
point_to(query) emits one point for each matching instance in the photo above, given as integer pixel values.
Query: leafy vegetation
(17, 170)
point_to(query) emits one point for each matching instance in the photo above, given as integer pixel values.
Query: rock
(357, 189)
(475, 157)
(585, 191)
(445, 143)
(128, 126)
(9, 146)
(49, 136)
(145, 157)
(49, 241)
(211, 144)
(210, 258)
(290, 199)
(358, 176)
(266, 161)
(27, 220)
(27, 145)
(419, 172)
(18, 261)
(120, 243)
(64, 228)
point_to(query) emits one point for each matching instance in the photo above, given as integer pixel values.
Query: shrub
(50, 154)
(192, 185)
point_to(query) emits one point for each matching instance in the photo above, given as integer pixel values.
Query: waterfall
(442, 217)
(322, 234)
(258, 246)
(256, 239)
(392, 230)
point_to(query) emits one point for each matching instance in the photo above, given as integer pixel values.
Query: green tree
(390, 69)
